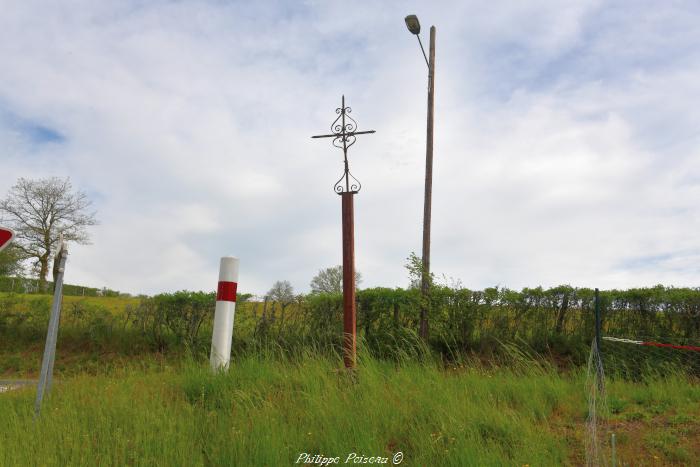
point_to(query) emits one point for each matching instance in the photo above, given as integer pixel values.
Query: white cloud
(566, 138)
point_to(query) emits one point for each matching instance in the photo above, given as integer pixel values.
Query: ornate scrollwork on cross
(343, 132)
(347, 183)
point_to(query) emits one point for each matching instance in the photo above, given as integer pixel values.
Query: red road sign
(6, 236)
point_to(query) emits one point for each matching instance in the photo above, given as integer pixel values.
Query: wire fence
(30, 285)
(644, 335)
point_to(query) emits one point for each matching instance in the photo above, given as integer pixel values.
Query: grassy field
(92, 336)
(113, 304)
(267, 411)
(120, 400)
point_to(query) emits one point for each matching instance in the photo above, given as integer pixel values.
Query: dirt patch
(9, 385)
(656, 440)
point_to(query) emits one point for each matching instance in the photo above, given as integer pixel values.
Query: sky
(567, 138)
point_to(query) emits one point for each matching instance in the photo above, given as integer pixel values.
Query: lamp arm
(423, 50)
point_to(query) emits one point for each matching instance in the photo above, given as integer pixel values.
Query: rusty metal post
(349, 312)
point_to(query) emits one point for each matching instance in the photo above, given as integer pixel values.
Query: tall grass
(271, 407)
(268, 411)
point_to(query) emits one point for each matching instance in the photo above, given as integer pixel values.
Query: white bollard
(223, 315)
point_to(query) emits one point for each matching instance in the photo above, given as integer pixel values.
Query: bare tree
(39, 211)
(330, 280)
(281, 293)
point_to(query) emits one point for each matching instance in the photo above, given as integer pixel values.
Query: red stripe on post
(672, 346)
(226, 291)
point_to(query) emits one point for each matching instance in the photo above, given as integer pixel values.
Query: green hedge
(557, 321)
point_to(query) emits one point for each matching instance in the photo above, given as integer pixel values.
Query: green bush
(175, 317)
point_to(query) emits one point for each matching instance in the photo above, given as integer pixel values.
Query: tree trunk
(254, 309)
(264, 313)
(282, 313)
(273, 312)
(43, 271)
(562, 312)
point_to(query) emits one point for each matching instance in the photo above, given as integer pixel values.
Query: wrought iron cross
(344, 129)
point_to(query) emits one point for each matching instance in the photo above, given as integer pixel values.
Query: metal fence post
(597, 321)
(598, 332)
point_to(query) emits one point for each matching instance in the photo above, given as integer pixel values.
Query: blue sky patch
(31, 130)
(42, 134)
(642, 262)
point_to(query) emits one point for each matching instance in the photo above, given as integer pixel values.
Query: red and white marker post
(224, 313)
(6, 236)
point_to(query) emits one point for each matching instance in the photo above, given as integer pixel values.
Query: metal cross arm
(352, 133)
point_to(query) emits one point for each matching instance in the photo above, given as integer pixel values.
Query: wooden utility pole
(428, 199)
(344, 129)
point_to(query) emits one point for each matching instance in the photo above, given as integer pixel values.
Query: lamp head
(413, 24)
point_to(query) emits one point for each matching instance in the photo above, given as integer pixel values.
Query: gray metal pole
(52, 334)
(428, 199)
(597, 321)
(614, 460)
(598, 331)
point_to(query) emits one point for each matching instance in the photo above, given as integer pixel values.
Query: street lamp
(413, 26)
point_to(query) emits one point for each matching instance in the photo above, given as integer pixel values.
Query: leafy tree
(11, 261)
(414, 266)
(417, 273)
(39, 211)
(330, 280)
